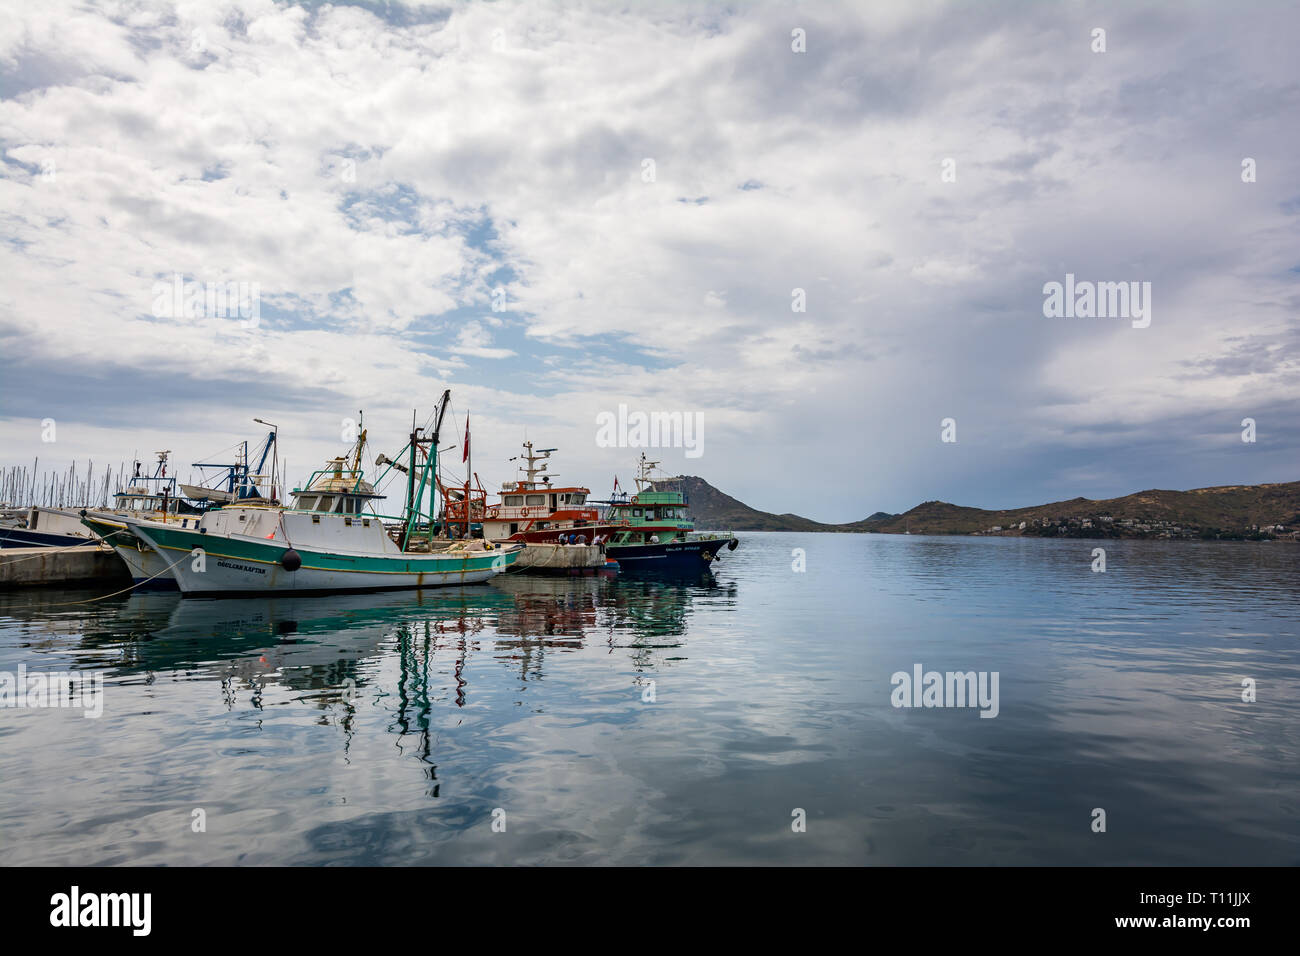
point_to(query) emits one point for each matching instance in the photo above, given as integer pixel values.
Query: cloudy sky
(647, 185)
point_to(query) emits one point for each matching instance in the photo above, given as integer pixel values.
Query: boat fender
(291, 560)
(731, 545)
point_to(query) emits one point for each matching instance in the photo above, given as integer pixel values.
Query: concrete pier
(43, 567)
(559, 559)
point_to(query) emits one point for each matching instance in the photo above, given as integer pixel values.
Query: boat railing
(506, 512)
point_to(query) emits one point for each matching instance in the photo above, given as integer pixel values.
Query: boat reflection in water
(403, 663)
(640, 615)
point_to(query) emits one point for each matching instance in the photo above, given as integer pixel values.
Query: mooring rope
(124, 590)
(48, 550)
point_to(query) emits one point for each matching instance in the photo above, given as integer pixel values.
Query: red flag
(465, 456)
(616, 482)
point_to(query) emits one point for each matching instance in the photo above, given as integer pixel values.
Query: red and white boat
(532, 509)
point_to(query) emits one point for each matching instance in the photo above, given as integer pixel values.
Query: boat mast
(469, 470)
(644, 468)
(272, 446)
(532, 469)
(414, 496)
(432, 457)
(410, 481)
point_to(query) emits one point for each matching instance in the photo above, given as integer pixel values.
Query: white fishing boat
(155, 498)
(328, 539)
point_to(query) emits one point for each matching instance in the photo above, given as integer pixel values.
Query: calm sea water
(633, 722)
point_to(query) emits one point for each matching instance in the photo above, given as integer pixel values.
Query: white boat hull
(218, 559)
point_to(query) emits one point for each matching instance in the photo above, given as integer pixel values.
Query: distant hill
(1224, 511)
(715, 511)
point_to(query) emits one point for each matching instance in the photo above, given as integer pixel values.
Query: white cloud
(375, 179)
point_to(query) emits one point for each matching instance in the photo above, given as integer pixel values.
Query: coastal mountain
(713, 510)
(1227, 510)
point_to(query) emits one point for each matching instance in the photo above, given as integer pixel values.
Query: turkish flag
(465, 457)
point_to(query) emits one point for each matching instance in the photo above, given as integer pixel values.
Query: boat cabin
(338, 488)
(139, 500)
(533, 504)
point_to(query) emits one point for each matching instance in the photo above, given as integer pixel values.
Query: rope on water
(124, 590)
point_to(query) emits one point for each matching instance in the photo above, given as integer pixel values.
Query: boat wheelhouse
(532, 509)
(155, 495)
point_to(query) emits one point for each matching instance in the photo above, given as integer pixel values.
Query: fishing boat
(160, 502)
(41, 527)
(547, 520)
(147, 495)
(329, 538)
(652, 529)
(533, 510)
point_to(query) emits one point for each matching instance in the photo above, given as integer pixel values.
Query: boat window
(537, 499)
(515, 500)
(578, 499)
(315, 519)
(636, 512)
(348, 522)
(307, 503)
(365, 522)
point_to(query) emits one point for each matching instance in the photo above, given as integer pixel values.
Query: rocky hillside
(715, 511)
(1228, 510)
